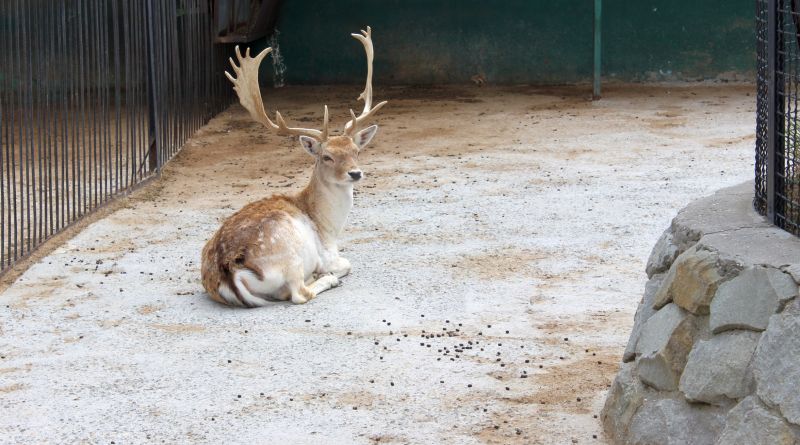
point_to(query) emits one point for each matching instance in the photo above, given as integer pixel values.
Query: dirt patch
(12, 388)
(148, 309)
(569, 386)
(727, 142)
(500, 263)
(25, 368)
(178, 328)
(387, 439)
(357, 399)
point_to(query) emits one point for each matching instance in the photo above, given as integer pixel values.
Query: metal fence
(95, 96)
(777, 193)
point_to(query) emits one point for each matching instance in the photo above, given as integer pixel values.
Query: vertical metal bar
(3, 148)
(165, 72)
(141, 85)
(83, 138)
(115, 36)
(9, 136)
(130, 93)
(24, 171)
(105, 114)
(91, 90)
(27, 146)
(49, 114)
(105, 117)
(15, 109)
(66, 125)
(153, 143)
(73, 151)
(42, 130)
(598, 48)
(772, 101)
(168, 26)
(58, 115)
(35, 132)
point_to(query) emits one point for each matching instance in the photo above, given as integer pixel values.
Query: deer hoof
(304, 296)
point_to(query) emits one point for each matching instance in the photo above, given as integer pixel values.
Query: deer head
(336, 156)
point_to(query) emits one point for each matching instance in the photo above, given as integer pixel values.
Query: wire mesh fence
(778, 102)
(95, 96)
(762, 107)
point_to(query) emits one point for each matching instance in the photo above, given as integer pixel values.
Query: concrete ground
(498, 248)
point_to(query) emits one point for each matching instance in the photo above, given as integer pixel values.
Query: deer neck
(327, 204)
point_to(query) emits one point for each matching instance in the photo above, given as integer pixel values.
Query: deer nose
(355, 174)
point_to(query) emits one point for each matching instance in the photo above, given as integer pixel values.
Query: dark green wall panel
(679, 39)
(513, 41)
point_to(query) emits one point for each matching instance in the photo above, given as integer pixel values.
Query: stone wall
(714, 354)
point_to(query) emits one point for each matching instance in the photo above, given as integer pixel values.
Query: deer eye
(327, 158)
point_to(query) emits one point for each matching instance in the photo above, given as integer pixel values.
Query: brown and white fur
(285, 246)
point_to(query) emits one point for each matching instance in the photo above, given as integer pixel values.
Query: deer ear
(310, 144)
(364, 136)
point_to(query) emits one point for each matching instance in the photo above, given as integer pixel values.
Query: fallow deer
(285, 246)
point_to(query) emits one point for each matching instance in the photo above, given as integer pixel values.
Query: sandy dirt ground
(498, 246)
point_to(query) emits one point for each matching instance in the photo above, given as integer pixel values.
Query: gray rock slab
(675, 422)
(644, 311)
(727, 209)
(747, 301)
(662, 255)
(771, 246)
(692, 281)
(730, 208)
(777, 364)
(794, 271)
(663, 346)
(743, 190)
(718, 368)
(752, 423)
(624, 398)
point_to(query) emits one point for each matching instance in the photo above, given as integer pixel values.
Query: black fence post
(772, 100)
(154, 163)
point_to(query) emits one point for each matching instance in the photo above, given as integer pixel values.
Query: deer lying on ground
(285, 246)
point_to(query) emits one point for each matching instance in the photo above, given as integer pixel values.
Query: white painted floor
(513, 224)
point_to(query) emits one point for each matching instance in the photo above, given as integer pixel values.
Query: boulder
(773, 247)
(624, 398)
(747, 301)
(691, 281)
(794, 271)
(777, 364)
(644, 311)
(675, 422)
(718, 368)
(662, 255)
(727, 209)
(663, 345)
(720, 266)
(751, 423)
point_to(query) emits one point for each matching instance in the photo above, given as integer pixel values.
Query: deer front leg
(294, 274)
(324, 283)
(337, 268)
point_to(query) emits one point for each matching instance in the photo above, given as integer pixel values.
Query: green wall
(679, 39)
(514, 41)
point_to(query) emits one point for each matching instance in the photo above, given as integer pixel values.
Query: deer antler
(350, 129)
(246, 86)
